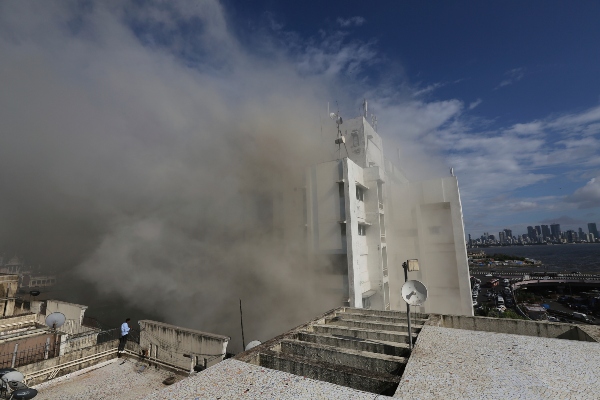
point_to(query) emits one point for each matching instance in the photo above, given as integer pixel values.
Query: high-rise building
(508, 235)
(502, 237)
(531, 233)
(538, 230)
(545, 232)
(582, 235)
(365, 218)
(592, 229)
(555, 231)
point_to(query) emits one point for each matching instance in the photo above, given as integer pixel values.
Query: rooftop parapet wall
(181, 346)
(517, 327)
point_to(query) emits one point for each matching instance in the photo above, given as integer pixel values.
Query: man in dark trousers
(124, 334)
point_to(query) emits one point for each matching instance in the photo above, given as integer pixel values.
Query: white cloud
(475, 103)
(512, 76)
(349, 22)
(428, 89)
(587, 196)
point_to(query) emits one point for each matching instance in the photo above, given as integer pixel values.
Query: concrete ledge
(380, 318)
(397, 337)
(516, 327)
(373, 362)
(381, 326)
(337, 374)
(381, 313)
(352, 343)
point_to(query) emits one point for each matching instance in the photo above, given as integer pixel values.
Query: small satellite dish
(5, 371)
(24, 394)
(34, 293)
(55, 320)
(336, 118)
(414, 293)
(13, 376)
(252, 344)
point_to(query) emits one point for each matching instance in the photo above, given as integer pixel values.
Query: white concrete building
(364, 219)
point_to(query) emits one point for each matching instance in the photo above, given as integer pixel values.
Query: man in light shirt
(124, 334)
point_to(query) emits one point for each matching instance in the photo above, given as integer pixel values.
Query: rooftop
(119, 378)
(347, 353)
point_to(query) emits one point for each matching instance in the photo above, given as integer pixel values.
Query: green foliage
(506, 257)
(511, 314)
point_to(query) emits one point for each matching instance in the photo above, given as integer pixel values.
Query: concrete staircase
(362, 349)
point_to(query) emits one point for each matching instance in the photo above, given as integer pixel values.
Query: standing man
(124, 334)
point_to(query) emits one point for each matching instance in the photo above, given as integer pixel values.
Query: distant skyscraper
(532, 233)
(502, 237)
(582, 235)
(508, 233)
(592, 229)
(555, 231)
(545, 232)
(538, 230)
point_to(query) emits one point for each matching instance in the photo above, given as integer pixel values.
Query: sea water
(584, 258)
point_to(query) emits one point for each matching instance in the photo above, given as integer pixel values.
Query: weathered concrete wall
(28, 349)
(336, 374)
(169, 343)
(38, 372)
(70, 310)
(9, 283)
(8, 324)
(512, 326)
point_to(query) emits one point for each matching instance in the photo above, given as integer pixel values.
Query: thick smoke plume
(144, 150)
(152, 174)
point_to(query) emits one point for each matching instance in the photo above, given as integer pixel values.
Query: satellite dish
(5, 371)
(24, 394)
(34, 293)
(336, 118)
(414, 293)
(252, 344)
(55, 320)
(13, 376)
(14, 385)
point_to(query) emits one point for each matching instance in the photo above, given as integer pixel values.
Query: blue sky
(506, 93)
(517, 86)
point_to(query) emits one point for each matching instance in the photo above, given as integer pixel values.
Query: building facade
(364, 218)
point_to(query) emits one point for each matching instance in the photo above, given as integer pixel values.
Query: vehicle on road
(500, 300)
(581, 317)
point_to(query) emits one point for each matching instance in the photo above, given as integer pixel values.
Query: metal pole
(410, 343)
(242, 324)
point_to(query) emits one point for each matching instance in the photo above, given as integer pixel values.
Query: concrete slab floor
(232, 379)
(114, 379)
(461, 364)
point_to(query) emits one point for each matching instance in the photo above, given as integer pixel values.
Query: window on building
(366, 303)
(362, 230)
(355, 139)
(360, 193)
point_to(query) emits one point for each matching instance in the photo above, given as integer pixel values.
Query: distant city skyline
(538, 234)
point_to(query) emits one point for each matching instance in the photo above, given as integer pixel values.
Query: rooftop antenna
(340, 138)
(374, 122)
(55, 320)
(242, 324)
(365, 108)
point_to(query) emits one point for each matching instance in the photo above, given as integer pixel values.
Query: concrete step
(399, 319)
(382, 313)
(361, 333)
(373, 362)
(383, 326)
(355, 378)
(353, 343)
